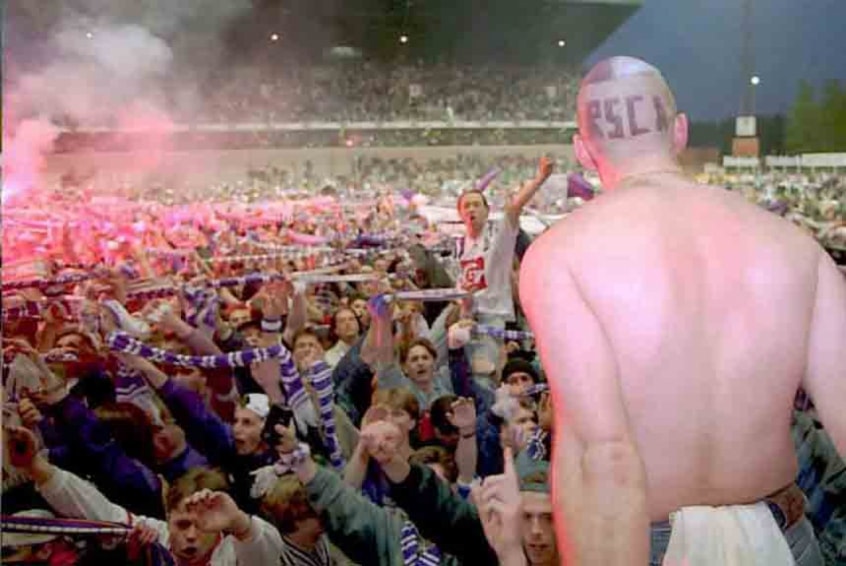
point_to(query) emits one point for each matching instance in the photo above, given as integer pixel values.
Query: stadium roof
(473, 31)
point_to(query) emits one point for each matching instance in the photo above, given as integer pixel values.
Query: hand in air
(287, 438)
(216, 511)
(378, 307)
(462, 415)
(500, 509)
(272, 301)
(545, 168)
(382, 441)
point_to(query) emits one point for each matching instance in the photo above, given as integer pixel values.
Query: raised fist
(382, 440)
(545, 167)
(216, 511)
(462, 415)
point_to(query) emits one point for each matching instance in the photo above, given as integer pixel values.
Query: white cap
(258, 403)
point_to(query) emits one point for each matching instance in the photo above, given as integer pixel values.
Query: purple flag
(483, 183)
(577, 186)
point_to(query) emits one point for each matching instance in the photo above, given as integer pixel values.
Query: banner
(783, 161)
(741, 162)
(824, 160)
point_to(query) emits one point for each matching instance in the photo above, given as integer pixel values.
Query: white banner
(824, 160)
(741, 162)
(783, 161)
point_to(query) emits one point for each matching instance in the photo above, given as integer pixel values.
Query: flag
(577, 186)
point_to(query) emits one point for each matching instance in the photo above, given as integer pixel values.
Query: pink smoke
(24, 158)
(149, 130)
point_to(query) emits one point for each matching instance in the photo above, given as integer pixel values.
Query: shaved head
(626, 111)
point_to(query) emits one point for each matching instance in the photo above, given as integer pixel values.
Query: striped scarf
(536, 447)
(131, 387)
(501, 333)
(291, 555)
(202, 307)
(120, 341)
(47, 284)
(37, 309)
(154, 554)
(57, 526)
(252, 278)
(412, 554)
(320, 376)
(243, 258)
(427, 295)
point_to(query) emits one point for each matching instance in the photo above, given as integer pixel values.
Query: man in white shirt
(486, 256)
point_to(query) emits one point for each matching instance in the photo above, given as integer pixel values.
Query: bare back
(706, 302)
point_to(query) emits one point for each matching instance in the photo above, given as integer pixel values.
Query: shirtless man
(675, 323)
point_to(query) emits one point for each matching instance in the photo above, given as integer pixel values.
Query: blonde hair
(398, 398)
(196, 479)
(287, 503)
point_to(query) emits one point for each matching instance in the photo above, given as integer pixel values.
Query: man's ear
(680, 133)
(582, 154)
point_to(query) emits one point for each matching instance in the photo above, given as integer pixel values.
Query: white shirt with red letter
(486, 268)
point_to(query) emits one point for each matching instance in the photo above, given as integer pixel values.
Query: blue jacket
(92, 450)
(214, 440)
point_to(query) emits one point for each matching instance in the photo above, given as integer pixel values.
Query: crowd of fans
(366, 92)
(813, 201)
(311, 138)
(236, 386)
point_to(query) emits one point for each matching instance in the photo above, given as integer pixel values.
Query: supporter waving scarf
(294, 390)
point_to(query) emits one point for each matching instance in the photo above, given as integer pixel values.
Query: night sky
(697, 44)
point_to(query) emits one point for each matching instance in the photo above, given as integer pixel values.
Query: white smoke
(102, 60)
(93, 72)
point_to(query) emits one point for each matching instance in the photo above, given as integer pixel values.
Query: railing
(338, 126)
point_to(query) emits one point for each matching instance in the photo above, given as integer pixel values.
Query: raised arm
(515, 205)
(203, 428)
(600, 500)
(66, 493)
(463, 417)
(220, 380)
(298, 317)
(825, 375)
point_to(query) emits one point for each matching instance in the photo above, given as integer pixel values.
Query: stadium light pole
(747, 60)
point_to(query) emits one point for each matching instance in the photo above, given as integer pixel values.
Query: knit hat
(258, 403)
(533, 474)
(519, 365)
